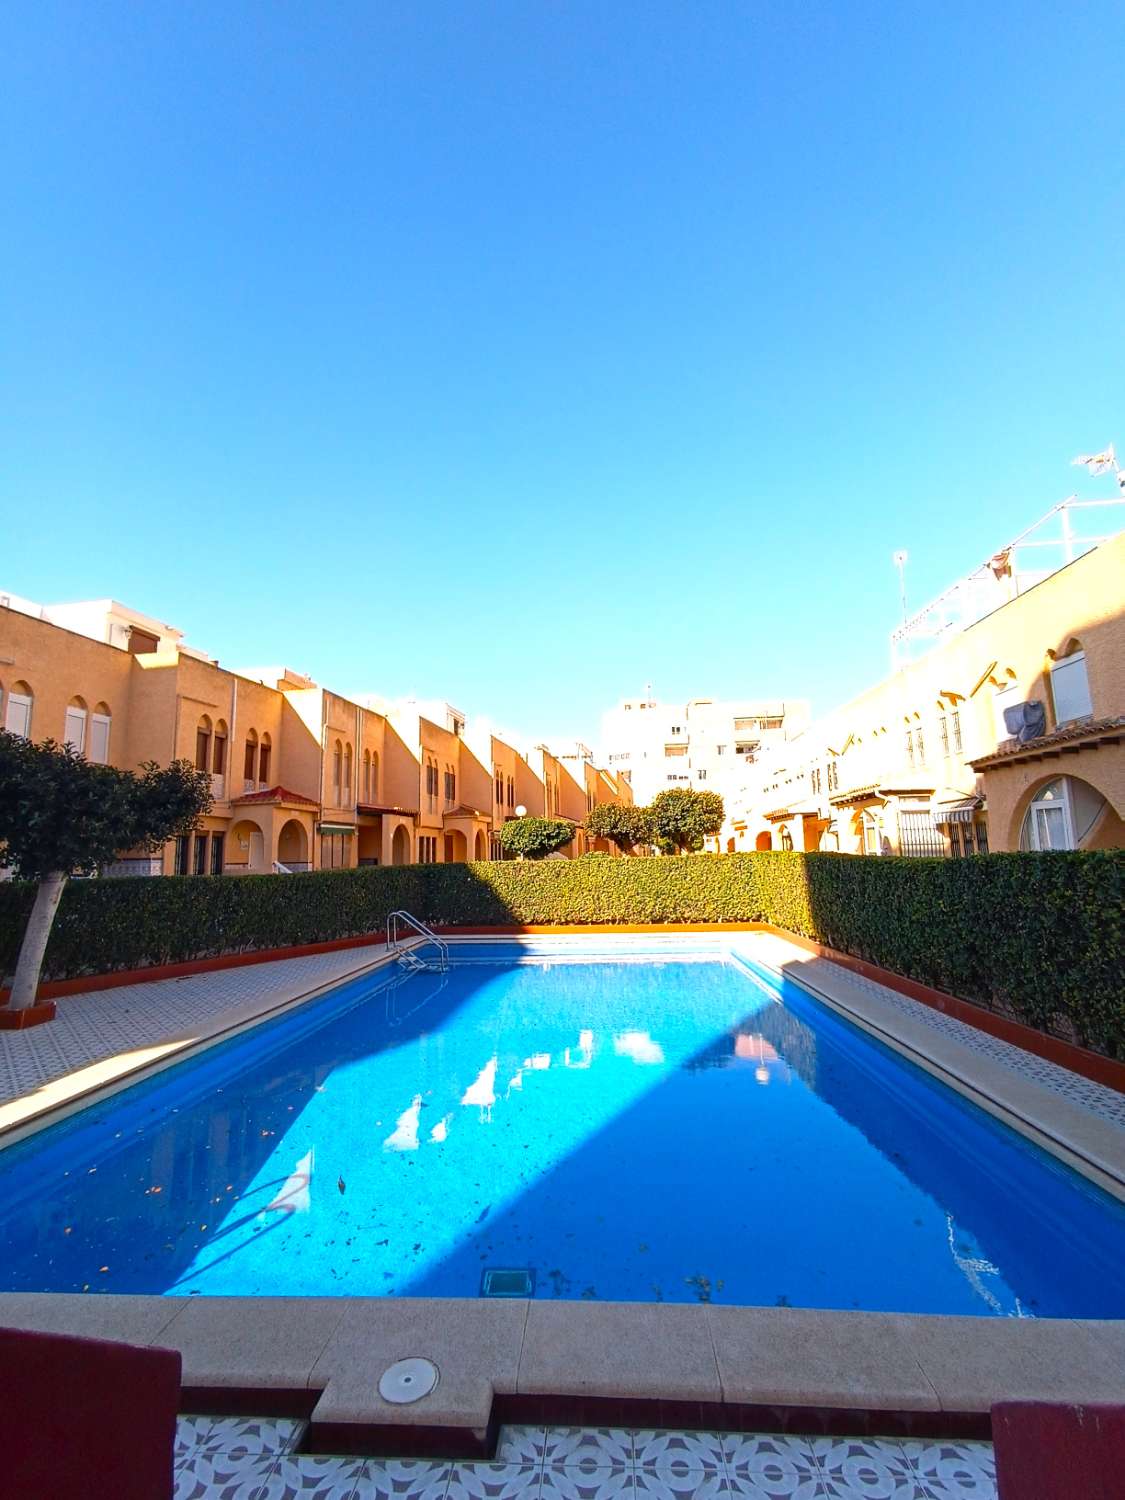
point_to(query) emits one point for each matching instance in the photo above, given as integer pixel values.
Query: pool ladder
(411, 958)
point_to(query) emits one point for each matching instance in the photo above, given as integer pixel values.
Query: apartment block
(704, 744)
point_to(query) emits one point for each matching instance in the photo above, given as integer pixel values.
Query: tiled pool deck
(254, 1459)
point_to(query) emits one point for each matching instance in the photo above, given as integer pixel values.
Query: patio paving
(225, 1458)
(96, 1025)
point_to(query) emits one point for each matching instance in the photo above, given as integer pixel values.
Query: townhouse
(302, 778)
(1002, 728)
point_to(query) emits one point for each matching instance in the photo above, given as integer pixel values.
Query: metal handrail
(393, 939)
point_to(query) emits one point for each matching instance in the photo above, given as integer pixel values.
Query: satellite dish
(1026, 721)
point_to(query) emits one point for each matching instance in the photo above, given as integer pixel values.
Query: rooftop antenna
(648, 692)
(899, 560)
(1104, 462)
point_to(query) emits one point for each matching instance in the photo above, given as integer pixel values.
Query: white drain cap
(408, 1380)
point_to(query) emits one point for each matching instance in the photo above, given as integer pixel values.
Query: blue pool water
(681, 1129)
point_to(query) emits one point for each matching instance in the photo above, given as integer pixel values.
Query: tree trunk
(34, 945)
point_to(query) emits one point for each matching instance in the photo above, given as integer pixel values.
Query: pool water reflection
(679, 1130)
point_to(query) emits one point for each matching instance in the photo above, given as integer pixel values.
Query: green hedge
(1039, 936)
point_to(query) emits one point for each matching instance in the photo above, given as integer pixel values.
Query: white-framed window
(1070, 688)
(75, 732)
(98, 748)
(1048, 823)
(17, 710)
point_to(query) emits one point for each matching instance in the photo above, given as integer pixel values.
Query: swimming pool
(676, 1125)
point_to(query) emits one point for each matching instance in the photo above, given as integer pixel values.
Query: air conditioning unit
(1026, 721)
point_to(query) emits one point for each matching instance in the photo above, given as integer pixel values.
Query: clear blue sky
(659, 325)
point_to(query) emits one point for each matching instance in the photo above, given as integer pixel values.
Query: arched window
(17, 710)
(75, 733)
(219, 749)
(1064, 814)
(1047, 823)
(98, 748)
(203, 744)
(374, 775)
(264, 750)
(337, 773)
(1070, 686)
(347, 782)
(250, 760)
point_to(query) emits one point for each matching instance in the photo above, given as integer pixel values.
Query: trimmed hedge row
(1039, 936)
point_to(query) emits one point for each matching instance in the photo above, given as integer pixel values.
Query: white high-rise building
(705, 744)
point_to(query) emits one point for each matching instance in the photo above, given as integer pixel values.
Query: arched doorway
(246, 849)
(786, 838)
(400, 846)
(764, 841)
(293, 846)
(730, 846)
(478, 846)
(456, 847)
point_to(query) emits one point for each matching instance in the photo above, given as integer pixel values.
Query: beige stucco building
(302, 778)
(927, 762)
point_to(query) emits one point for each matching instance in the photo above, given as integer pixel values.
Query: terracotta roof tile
(1092, 731)
(274, 794)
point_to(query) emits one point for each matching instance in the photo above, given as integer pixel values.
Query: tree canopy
(535, 838)
(59, 814)
(624, 826)
(681, 819)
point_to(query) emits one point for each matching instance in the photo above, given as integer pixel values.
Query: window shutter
(18, 717)
(1071, 688)
(99, 739)
(75, 729)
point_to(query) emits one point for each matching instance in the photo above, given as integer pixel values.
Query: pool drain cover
(408, 1380)
(502, 1281)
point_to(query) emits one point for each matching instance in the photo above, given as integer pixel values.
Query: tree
(624, 826)
(682, 819)
(62, 816)
(535, 838)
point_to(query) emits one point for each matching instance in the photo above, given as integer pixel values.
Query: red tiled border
(1092, 1065)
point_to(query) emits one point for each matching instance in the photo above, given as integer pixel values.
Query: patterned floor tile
(866, 1469)
(219, 1476)
(588, 1448)
(950, 1469)
(191, 1432)
(253, 1435)
(493, 1482)
(773, 1465)
(595, 1484)
(522, 1445)
(696, 1484)
(788, 1487)
(302, 1476)
(403, 1479)
(678, 1452)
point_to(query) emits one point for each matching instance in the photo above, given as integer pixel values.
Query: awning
(961, 811)
(335, 828)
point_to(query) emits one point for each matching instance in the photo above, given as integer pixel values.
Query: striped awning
(961, 811)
